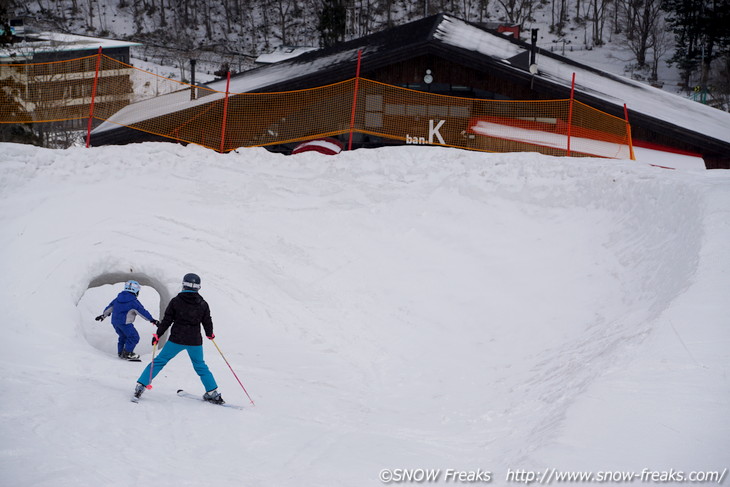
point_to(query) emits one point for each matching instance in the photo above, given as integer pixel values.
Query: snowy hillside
(219, 32)
(409, 308)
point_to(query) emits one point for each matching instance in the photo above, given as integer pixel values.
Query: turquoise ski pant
(168, 352)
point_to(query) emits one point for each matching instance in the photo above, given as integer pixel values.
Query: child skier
(185, 313)
(124, 309)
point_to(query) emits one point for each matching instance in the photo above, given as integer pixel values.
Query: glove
(155, 339)
(212, 336)
(100, 318)
(155, 322)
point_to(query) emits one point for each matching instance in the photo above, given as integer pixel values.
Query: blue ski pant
(168, 352)
(128, 337)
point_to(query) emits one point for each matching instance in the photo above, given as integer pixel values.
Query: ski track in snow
(393, 308)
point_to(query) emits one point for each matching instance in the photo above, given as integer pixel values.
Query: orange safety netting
(369, 112)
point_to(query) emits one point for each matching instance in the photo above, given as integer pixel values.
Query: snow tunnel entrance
(153, 295)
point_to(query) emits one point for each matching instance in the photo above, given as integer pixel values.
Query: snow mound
(393, 308)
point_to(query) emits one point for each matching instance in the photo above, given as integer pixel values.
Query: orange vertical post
(354, 98)
(628, 134)
(570, 113)
(93, 98)
(225, 113)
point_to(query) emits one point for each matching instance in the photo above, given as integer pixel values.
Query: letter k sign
(435, 131)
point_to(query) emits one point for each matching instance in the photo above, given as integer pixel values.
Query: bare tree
(661, 42)
(89, 15)
(559, 15)
(163, 19)
(483, 7)
(207, 19)
(641, 20)
(366, 16)
(720, 78)
(387, 8)
(265, 28)
(599, 10)
(287, 13)
(516, 9)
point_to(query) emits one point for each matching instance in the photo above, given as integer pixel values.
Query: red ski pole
(152, 364)
(234, 374)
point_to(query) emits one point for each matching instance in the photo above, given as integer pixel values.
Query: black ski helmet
(191, 282)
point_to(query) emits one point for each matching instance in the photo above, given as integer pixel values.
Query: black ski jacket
(185, 313)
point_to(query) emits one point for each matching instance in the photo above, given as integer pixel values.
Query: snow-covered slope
(394, 308)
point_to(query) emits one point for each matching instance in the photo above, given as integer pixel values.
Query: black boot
(214, 396)
(130, 356)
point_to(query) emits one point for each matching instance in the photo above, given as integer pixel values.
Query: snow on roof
(253, 80)
(48, 42)
(155, 107)
(637, 96)
(267, 75)
(460, 34)
(283, 53)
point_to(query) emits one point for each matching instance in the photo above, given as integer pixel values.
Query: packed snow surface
(409, 308)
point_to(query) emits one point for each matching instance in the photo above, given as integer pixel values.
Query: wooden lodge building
(32, 73)
(444, 55)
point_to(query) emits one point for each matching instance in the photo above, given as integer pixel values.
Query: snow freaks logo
(423, 475)
(433, 131)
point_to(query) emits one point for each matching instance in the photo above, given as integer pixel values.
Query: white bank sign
(433, 131)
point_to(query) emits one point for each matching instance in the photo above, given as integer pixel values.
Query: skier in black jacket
(185, 313)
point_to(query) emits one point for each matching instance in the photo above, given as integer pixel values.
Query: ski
(138, 359)
(182, 393)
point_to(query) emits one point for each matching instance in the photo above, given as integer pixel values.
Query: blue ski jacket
(125, 308)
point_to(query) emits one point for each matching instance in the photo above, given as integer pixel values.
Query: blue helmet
(132, 287)
(191, 282)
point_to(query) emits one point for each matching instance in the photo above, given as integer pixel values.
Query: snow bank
(394, 308)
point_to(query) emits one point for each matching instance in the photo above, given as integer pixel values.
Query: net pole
(570, 112)
(354, 98)
(628, 134)
(225, 112)
(93, 98)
